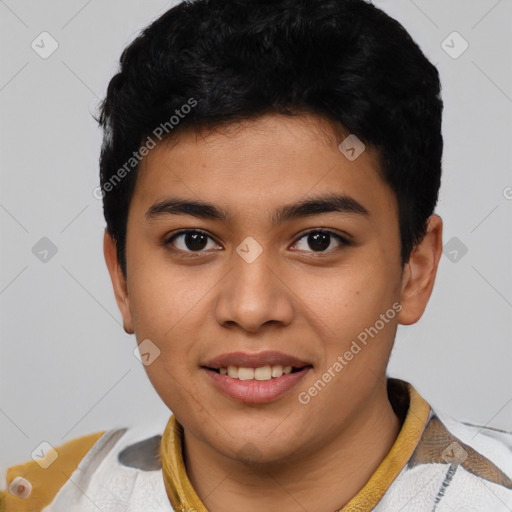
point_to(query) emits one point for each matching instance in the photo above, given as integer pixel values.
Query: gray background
(66, 366)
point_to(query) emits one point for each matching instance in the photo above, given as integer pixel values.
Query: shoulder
(33, 484)
(456, 466)
(61, 477)
(478, 461)
(492, 443)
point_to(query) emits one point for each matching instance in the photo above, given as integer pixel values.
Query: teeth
(245, 373)
(267, 372)
(277, 370)
(263, 373)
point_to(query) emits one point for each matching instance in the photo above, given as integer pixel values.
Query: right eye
(190, 240)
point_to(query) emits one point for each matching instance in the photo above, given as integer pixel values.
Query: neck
(324, 480)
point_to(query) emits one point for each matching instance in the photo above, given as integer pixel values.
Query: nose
(254, 295)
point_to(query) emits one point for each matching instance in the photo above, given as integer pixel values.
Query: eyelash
(345, 242)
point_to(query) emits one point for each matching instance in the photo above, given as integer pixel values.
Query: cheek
(169, 307)
(163, 296)
(168, 378)
(348, 294)
(166, 309)
(350, 300)
(166, 317)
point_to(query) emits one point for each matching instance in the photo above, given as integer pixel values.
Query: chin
(261, 451)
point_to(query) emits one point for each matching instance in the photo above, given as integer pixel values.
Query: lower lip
(256, 391)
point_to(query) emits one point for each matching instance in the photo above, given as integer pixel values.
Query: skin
(311, 304)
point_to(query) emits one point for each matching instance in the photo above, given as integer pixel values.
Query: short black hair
(211, 62)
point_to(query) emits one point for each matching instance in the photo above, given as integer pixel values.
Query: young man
(269, 174)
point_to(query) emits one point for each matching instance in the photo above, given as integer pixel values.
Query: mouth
(256, 378)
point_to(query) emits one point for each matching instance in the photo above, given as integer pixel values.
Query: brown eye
(191, 241)
(321, 241)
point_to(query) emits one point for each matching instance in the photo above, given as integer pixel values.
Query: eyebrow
(332, 203)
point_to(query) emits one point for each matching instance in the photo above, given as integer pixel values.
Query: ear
(118, 281)
(420, 272)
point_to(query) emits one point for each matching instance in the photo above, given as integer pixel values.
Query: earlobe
(118, 281)
(420, 273)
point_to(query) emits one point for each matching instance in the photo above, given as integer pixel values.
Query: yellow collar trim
(183, 496)
(401, 451)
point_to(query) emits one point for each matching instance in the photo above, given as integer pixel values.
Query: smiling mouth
(262, 373)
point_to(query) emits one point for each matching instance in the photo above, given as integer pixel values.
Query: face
(252, 249)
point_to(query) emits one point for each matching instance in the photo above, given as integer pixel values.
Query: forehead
(248, 166)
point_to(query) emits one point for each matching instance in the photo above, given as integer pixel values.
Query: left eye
(191, 241)
(320, 241)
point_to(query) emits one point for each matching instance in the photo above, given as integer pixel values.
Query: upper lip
(255, 360)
